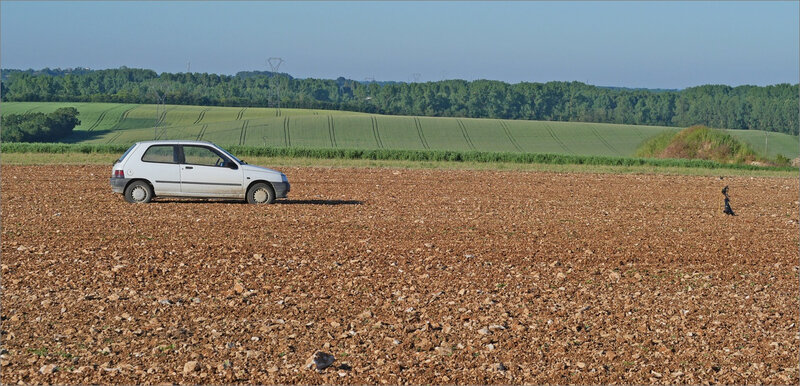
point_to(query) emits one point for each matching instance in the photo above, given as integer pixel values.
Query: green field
(113, 123)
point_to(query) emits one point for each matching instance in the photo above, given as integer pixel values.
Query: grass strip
(406, 155)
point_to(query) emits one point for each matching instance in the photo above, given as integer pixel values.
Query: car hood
(252, 169)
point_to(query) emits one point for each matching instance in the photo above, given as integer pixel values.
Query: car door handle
(188, 167)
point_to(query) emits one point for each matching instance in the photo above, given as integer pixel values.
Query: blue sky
(628, 44)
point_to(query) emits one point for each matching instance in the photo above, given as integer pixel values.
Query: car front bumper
(281, 189)
(118, 184)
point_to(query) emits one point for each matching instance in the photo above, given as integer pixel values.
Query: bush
(698, 142)
(782, 160)
(39, 127)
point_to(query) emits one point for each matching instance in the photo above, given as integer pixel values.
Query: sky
(644, 44)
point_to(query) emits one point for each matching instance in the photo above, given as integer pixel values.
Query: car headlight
(283, 178)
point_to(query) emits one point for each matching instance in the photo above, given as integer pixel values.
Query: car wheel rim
(139, 193)
(260, 196)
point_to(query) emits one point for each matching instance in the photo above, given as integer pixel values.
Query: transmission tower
(274, 83)
(416, 77)
(159, 91)
(367, 81)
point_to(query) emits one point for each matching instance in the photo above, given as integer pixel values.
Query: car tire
(138, 192)
(260, 193)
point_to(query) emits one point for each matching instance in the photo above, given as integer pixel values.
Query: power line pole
(160, 93)
(161, 110)
(367, 81)
(274, 64)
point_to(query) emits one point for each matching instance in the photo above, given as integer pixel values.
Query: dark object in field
(320, 361)
(727, 209)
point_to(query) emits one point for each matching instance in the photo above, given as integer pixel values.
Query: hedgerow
(404, 155)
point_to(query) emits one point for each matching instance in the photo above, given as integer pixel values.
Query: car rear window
(160, 153)
(125, 154)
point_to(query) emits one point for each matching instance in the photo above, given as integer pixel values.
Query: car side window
(160, 153)
(199, 155)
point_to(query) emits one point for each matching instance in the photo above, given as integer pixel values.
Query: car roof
(175, 142)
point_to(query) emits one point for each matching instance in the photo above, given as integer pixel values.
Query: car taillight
(119, 174)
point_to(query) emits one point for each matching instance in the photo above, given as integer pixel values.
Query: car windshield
(231, 155)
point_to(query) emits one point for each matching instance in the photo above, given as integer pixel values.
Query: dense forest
(771, 108)
(39, 127)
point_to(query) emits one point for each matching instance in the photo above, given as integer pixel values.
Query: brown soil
(405, 277)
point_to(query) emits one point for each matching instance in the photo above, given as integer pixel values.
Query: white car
(192, 169)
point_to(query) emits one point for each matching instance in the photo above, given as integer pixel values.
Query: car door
(159, 165)
(207, 172)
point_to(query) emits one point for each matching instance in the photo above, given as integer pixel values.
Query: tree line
(39, 127)
(771, 108)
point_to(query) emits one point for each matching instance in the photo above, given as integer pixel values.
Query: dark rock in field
(320, 361)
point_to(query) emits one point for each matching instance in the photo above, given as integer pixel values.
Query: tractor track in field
(200, 117)
(464, 133)
(603, 140)
(103, 116)
(406, 277)
(202, 132)
(241, 114)
(161, 124)
(99, 119)
(418, 126)
(161, 118)
(555, 138)
(376, 132)
(510, 137)
(114, 137)
(286, 135)
(243, 132)
(331, 131)
(123, 117)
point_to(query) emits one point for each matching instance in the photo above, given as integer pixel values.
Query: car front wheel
(138, 192)
(260, 193)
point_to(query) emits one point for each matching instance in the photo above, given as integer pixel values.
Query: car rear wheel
(260, 193)
(138, 192)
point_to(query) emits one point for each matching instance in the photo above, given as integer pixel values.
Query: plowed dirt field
(405, 276)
